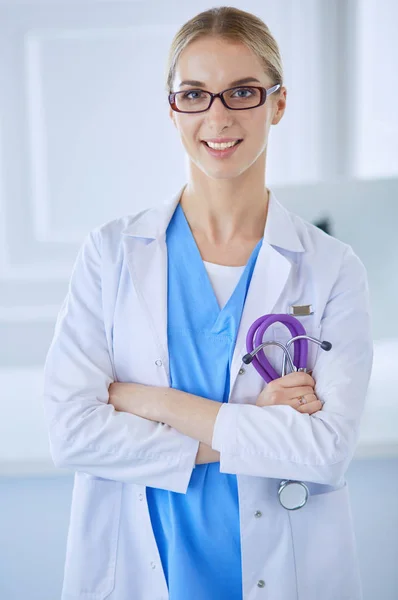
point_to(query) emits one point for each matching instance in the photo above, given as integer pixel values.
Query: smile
(221, 150)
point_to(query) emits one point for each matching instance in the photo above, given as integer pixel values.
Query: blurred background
(84, 126)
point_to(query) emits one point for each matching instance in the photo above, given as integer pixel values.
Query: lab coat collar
(279, 230)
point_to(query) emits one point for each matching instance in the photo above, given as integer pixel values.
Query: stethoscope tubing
(254, 341)
(255, 346)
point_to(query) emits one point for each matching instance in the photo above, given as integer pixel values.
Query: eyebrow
(232, 84)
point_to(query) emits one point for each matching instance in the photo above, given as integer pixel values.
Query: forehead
(218, 62)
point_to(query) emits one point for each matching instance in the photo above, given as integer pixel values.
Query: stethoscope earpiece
(326, 346)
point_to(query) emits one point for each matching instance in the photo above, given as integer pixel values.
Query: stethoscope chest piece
(293, 494)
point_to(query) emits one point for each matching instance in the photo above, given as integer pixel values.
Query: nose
(218, 116)
(218, 112)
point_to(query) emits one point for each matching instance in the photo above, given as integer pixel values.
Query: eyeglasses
(237, 98)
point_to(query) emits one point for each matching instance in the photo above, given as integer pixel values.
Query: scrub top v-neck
(198, 533)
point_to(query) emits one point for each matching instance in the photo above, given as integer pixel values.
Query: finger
(311, 407)
(277, 396)
(296, 379)
(297, 392)
(305, 399)
(286, 396)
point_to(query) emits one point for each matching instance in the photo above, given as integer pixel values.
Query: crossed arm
(191, 415)
(195, 416)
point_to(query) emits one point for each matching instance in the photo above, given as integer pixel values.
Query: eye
(246, 92)
(188, 95)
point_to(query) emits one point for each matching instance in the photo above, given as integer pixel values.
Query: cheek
(259, 124)
(254, 124)
(188, 129)
(260, 133)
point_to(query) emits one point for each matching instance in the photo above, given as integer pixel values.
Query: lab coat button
(258, 513)
(158, 363)
(153, 565)
(261, 583)
(241, 371)
(140, 496)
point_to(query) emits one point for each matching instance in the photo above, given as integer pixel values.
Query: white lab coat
(112, 327)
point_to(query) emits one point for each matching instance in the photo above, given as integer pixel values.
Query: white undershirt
(224, 280)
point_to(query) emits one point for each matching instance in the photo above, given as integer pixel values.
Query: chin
(221, 171)
(220, 174)
(226, 173)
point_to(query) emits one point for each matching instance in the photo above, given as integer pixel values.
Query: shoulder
(111, 232)
(326, 252)
(317, 241)
(108, 237)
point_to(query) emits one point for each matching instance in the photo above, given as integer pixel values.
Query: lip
(221, 140)
(221, 153)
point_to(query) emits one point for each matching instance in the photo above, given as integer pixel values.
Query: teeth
(222, 146)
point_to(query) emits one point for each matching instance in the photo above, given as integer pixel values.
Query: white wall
(375, 84)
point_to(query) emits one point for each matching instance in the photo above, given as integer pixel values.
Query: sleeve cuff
(225, 428)
(179, 477)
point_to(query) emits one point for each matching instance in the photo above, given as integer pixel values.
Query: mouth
(236, 143)
(222, 153)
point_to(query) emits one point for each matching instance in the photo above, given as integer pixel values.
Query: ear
(280, 106)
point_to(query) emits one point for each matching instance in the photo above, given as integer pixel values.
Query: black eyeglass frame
(265, 92)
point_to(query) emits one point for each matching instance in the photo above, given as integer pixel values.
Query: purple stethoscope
(292, 494)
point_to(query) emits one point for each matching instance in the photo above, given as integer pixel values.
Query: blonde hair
(233, 25)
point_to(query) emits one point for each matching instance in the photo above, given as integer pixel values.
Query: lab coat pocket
(324, 543)
(92, 538)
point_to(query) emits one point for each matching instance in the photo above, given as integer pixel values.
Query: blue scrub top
(198, 533)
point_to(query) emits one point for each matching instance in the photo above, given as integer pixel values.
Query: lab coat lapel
(147, 264)
(270, 274)
(269, 278)
(146, 257)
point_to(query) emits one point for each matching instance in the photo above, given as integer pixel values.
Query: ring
(302, 400)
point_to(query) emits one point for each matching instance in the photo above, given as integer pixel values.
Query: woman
(179, 448)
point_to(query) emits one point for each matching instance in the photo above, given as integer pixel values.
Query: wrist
(206, 455)
(148, 402)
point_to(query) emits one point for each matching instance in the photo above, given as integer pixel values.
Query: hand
(115, 391)
(288, 390)
(137, 399)
(129, 397)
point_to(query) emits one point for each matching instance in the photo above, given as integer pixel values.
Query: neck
(224, 211)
